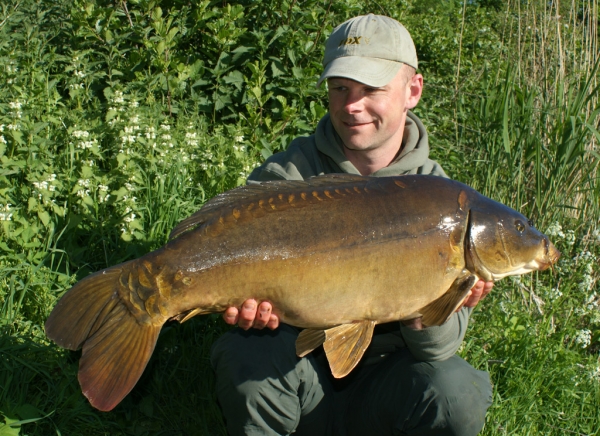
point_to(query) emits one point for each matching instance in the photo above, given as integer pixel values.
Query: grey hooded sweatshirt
(322, 153)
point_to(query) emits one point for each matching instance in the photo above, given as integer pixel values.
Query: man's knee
(263, 388)
(457, 397)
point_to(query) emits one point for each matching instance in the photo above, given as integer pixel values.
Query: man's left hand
(478, 293)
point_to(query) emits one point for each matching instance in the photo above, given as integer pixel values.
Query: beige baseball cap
(369, 49)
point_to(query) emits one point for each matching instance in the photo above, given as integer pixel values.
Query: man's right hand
(252, 314)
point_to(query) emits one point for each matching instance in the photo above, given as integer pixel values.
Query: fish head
(501, 242)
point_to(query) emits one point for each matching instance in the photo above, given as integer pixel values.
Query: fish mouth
(551, 255)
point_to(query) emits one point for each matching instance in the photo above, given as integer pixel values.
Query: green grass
(120, 119)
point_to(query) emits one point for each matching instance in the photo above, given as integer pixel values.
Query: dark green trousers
(264, 389)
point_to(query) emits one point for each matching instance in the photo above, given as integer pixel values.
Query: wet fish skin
(333, 254)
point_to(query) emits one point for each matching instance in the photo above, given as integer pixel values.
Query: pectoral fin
(438, 311)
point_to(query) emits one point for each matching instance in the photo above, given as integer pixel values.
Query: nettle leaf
(17, 136)
(156, 14)
(235, 78)
(171, 34)
(221, 101)
(239, 52)
(31, 204)
(276, 68)
(44, 217)
(298, 72)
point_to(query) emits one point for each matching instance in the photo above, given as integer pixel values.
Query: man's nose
(354, 102)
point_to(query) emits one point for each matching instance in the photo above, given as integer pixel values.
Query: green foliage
(119, 119)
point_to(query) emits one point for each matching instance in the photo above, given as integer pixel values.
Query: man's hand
(478, 293)
(252, 314)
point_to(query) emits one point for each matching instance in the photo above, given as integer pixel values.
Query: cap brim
(370, 71)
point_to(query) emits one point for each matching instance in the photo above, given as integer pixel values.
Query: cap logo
(350, 41)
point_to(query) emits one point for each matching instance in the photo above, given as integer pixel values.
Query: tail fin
(116, 346)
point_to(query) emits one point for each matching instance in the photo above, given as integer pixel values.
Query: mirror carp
(335, 254)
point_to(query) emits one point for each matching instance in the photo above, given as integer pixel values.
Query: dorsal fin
(255, 192)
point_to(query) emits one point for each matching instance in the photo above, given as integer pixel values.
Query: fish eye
(519, 226)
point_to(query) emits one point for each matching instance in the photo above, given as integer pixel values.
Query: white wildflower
(80, 134)
(2, 140)
(583, 337)
(5, 214)
(83, 193)
(15, 104)
(555, 229)
(554, 294)
(586, 283)
(84, 182)
(594, 374)
(128, 138)
(239, 138)
(595, 233)
(41, 185)
(165, 127)
(570, 237)
(13, 127)
(118, 97)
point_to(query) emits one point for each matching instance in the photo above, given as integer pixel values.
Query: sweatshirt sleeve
(437, 342)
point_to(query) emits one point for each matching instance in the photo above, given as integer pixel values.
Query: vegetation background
(118, 119)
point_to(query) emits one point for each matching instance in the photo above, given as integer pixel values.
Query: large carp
(335, 255)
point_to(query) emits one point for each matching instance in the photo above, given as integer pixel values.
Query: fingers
(478, 293)
(247, 314)
(231, 316)
(252, 314)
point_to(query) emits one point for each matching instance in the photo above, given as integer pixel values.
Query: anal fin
(345, 345)
(438, 311)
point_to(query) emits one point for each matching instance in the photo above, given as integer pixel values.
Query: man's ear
(416, 89)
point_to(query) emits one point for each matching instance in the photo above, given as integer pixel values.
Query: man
(410, 380)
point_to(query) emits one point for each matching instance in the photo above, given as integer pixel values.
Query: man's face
(368, 118)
